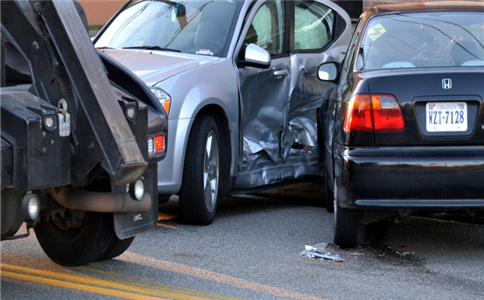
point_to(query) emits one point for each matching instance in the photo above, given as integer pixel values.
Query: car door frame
(279, 63)
(289, 53)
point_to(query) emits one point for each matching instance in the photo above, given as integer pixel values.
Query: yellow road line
(40, 277)
(76, 286)
(216, 277)
(166, 216)
(137, 281)
(168, 226)
(191, 271)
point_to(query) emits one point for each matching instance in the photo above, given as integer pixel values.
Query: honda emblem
(446, 83)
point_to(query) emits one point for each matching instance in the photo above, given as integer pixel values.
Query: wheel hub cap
(211, 171)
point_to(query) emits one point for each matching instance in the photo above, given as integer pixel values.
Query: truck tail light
(156, 144)
(368, 112)
(159, 143)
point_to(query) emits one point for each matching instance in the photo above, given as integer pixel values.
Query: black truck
(80, 137)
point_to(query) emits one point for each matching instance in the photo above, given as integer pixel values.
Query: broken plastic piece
(318, 252)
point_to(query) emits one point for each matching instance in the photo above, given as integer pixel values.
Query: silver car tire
(201, 173)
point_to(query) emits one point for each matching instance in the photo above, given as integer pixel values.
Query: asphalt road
(252, 251)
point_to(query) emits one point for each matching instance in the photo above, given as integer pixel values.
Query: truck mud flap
(130, 224)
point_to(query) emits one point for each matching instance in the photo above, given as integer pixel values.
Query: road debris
(319, 251)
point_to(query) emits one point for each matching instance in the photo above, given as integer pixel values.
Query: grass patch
(95, 27)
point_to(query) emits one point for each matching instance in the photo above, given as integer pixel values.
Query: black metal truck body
(77, 132)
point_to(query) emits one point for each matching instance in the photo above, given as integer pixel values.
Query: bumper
(410, 177)
(170, 169)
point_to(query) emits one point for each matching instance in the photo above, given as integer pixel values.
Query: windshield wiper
(100, 48)
(152, 48)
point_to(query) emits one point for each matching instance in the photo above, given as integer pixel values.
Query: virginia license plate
(446, 116)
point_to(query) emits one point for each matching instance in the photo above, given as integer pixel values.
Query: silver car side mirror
(257, 56)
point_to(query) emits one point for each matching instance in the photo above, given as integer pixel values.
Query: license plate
(446, 116)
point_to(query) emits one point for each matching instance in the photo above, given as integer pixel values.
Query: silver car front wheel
(201, 173)
(211, 171)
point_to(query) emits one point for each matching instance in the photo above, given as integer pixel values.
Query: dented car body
(238, 81)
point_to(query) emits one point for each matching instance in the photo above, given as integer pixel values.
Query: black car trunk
(438, 107)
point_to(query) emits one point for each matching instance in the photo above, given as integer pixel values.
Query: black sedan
(404, 126)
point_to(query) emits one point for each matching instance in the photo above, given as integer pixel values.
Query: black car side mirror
(328, 72)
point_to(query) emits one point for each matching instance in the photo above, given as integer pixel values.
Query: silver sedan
(238, 80)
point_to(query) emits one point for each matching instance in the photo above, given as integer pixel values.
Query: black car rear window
(419, 40)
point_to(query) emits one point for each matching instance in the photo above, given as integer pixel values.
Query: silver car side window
(267, 29)
(313, 25)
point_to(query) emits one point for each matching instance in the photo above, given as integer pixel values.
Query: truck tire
(345, 225)
(75, 246)
(201, 173)
(116, 248)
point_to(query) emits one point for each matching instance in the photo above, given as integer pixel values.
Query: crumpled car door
(279, 104)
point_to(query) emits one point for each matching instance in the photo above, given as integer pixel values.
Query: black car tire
(201, 173)
(345, 225)
(76, 246)
(116, 247)
(329, 196)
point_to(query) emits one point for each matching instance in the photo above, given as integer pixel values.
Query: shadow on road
(304, 194)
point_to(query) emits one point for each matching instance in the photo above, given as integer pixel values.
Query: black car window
(419, 40)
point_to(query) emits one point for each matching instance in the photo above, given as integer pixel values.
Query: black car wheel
(345, 225)
(201, 173)
(329, 196)
(75, 238)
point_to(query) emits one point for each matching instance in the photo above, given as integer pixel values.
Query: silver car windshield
(419, 40)
(196, 27)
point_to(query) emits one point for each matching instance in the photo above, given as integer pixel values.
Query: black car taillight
(368, 112)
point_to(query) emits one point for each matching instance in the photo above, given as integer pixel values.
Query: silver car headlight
(163, 97)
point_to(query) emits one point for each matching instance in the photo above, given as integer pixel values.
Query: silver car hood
(155, 66)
